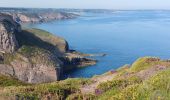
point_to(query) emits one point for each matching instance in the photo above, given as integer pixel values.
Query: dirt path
(144, 74)
(96, 81)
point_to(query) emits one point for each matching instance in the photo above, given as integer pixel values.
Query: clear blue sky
(102, 4)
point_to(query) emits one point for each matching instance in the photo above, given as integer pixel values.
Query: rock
(34, 66)
(8, 27)
(39, 66)
(33, 55)
(73, 60)
(39, 16)
(30, 64)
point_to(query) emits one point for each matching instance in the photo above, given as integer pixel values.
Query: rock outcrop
(27, 63)
(34, 55)
(31, 17)
(8, 28)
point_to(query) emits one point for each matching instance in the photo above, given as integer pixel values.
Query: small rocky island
(34, 55)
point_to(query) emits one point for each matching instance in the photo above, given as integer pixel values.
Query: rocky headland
(37, 15)
(34, 55)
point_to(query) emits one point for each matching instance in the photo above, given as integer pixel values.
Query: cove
(123, 35)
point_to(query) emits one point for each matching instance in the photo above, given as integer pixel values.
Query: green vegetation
(128, 84)
(30, 38)
(8, 58)
(39, 32)
(155, 88)
(9, 81)
(56, 90)
(144, 63)
(36, 45)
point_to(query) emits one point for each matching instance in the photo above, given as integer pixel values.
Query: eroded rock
(8, 42)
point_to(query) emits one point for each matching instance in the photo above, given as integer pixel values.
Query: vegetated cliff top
(31, 55)
(146, 78)
(34, 55)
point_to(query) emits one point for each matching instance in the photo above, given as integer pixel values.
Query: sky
(88, 4)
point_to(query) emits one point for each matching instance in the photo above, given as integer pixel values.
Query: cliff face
(8, 28)
(32, 17)
(26, 61)
(35, 66)
(34, 55)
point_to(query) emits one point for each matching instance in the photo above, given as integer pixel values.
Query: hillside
(32, 62)
(37, 15)
(34, 55)
(146, 79)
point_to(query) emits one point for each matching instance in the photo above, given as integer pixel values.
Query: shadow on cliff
(29, 39)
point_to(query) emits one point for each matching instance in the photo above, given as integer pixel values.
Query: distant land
(29, 15)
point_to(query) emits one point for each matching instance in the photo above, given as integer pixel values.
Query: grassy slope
(36, 45)
(31, 37)
(55, 90)
(127, 85)
(9, 81)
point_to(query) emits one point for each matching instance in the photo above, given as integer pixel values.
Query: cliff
(8, 28)
(33, 55)
(38, 15)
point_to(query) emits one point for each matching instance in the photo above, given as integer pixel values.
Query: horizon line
(81, 8)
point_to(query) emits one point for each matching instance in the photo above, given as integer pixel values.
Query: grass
(144, 63)
(39, 32)
(155, 87)
(131, 87)
(34, 54)
(48, 38)
(56, 90)
(6, 81)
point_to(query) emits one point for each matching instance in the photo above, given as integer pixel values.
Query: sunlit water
(123, 35)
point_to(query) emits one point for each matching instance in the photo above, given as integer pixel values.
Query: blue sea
(123, 35)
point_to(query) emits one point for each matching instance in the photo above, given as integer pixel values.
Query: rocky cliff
(8, 28)
(36, 17)
(34, 55)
